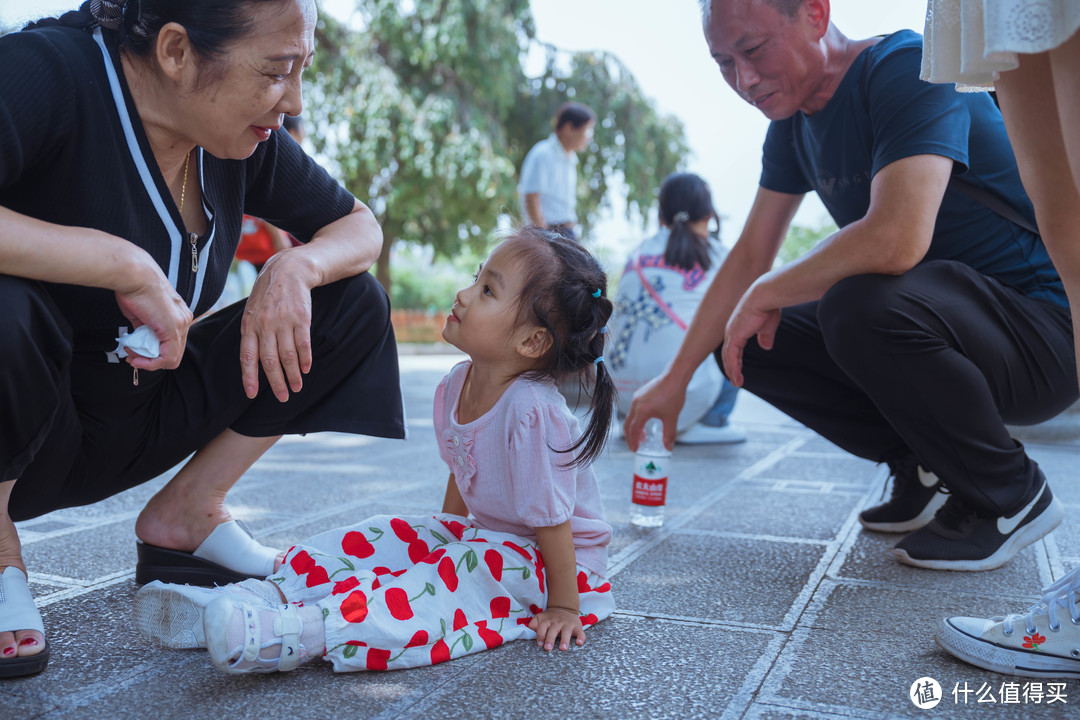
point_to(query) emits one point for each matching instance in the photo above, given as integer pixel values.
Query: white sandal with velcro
(238, 631)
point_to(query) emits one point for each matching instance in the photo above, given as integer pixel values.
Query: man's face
(774, 61)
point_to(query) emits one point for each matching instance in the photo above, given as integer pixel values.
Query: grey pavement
(760, 597)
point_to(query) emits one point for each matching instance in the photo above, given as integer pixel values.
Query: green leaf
(470, 561)
(439, 537)
(466, 641)
(429, 588)
(350, 650)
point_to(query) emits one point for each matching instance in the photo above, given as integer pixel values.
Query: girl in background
(661, 288)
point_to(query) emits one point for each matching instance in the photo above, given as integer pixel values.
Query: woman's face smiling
(259, 81)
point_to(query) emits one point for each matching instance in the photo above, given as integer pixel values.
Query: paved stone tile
(871, 558)
(742, 559)
(762, 711)
(778, 513)
(859, 648)
(84, 554)
(827, 468)
(763, 580)
(1061, 468)
(630, 668)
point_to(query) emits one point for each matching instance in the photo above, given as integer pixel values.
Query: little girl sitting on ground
(530, 562)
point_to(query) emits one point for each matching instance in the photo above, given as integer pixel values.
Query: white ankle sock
(313, 634)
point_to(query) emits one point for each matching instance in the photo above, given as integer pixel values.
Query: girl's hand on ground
(552, 623)
(276, 329)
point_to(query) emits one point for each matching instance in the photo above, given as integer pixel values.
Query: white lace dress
(968, 42)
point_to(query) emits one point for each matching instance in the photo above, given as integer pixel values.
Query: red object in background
(256, 244)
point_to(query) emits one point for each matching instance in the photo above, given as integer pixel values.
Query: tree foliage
(800, 239)
(428, 113)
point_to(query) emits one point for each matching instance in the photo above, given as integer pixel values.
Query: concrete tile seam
(783, 667)
(754, 679)
(74, 591)
(842, 711)
(804, 714)
(33, 537)
(1007, 597)
(699, 622)
(850, 530)
(640, 547)
(98, 691)
(782, 485)
(825, 455)
(1042, 560)
(753, 536)
(813, 581)
(801, 488)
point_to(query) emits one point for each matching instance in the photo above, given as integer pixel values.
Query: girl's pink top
(509, 476)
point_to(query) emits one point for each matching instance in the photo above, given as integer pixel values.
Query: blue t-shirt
(882, 112)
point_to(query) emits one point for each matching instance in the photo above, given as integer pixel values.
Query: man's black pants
(935, 362)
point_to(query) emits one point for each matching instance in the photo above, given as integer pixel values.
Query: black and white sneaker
(959, 539)
(916, 495)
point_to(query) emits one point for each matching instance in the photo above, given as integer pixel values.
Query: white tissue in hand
(142, 341)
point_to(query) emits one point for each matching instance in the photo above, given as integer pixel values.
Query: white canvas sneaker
(1044, 642)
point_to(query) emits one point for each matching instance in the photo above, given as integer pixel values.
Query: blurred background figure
(660, 290)
(548, 185)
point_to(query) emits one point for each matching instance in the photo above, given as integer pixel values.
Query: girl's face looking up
(482, 322)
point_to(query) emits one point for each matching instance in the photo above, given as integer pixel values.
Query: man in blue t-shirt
(926, 322)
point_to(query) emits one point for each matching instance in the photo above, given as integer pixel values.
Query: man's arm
(890, 239)
(535, 211)
(752, 256)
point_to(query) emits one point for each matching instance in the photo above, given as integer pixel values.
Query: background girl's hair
(684, 199)
(212, 25)
(558, 295)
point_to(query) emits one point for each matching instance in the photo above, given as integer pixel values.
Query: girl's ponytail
(685, 199)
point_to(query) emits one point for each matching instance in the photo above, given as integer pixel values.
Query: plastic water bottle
(650, 477)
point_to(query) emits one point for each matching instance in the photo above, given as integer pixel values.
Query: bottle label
(649, 491)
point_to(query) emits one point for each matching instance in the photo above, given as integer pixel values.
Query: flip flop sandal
(238, 649)
(18, 612)
(228, 555)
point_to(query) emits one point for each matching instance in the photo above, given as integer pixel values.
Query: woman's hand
(148, 299)
(556, 621)
(276, 328)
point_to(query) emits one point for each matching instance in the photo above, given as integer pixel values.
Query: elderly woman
(132, 139)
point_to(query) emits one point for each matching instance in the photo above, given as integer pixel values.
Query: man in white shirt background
(548, 184)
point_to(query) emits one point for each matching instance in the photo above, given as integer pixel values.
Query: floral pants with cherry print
(400, 592)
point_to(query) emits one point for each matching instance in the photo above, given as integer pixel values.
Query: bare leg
(1065, 65)
(1030, 107)
(192, 504)
(21, 642)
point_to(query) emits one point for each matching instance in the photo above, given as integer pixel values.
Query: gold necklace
(183, 188)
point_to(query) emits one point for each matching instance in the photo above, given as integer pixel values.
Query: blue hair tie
(603, 330)
(597, 293)
(599, 360)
